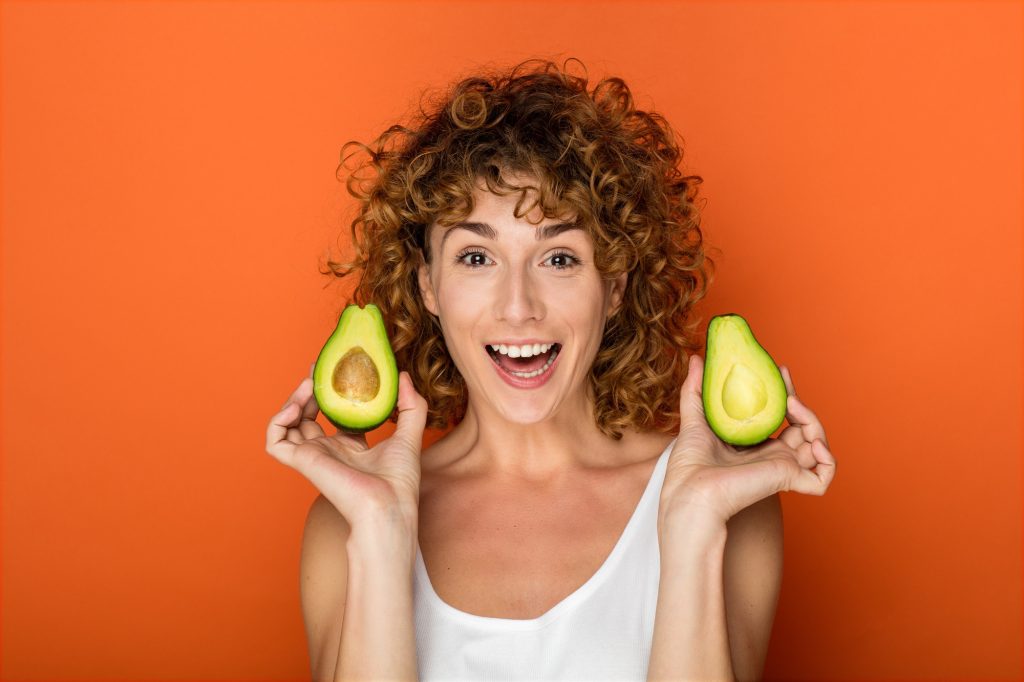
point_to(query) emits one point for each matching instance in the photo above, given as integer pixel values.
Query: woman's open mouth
(525, 372)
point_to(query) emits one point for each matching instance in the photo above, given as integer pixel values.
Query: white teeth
(521, 351)
(513, 352)
(530, 375)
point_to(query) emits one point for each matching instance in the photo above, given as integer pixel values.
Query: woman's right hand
(363, 483)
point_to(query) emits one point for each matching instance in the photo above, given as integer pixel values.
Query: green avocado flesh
(743, 391)
(355, 379)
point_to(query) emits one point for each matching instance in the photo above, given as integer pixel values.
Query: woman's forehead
(541, 232)
(497, 211)
(487, 212)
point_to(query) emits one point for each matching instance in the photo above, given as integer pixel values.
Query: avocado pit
(356, 376)
(744, 394)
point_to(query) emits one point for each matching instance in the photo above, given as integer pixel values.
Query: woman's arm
(378, 634)
(720, 535)
(359, 546)
(718, 594)
(690, 637)
(357, 597)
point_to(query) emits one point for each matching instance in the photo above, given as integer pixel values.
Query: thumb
(691, 396)
(412, 412)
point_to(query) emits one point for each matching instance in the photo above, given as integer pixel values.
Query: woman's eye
(564, 261)
(475, 258)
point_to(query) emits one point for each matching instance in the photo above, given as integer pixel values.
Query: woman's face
(498, 280)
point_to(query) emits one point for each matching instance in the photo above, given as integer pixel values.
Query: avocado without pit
(355, 379)
(744, 394)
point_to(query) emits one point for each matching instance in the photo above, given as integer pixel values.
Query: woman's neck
(491, 445)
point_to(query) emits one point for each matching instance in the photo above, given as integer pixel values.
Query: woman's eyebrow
(488, 232)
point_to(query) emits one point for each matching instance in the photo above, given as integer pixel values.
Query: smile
(525, 372)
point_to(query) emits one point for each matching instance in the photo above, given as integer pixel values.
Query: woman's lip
(520, 382)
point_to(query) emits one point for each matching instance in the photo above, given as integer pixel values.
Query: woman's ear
(617, 293)
(426, 291)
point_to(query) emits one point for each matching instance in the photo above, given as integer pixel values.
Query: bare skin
(506, 547)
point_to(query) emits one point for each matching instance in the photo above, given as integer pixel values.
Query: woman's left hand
(712, 478)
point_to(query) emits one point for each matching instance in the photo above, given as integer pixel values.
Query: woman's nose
(518, 299)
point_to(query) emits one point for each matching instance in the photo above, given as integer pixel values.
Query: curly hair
(592, 152)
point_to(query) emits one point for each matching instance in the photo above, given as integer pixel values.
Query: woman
(536, 254)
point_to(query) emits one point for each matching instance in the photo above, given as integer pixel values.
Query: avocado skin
(739, 372)
(363, 327)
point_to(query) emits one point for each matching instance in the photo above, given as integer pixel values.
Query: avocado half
(743, 390)
(355, 379)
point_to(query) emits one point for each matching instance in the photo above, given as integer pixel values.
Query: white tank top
(602, 631)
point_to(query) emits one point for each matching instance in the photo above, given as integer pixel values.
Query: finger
(696, 368)
(288, 431)
(305, 428)
(691, 396)
(311, 429)
(310, 406)
(295, 436)
(787, 378)
(800, 415)
(793, 436)
(825, 469)
(805, 456)
(277, 433)
(816, 480)
(412, 412)
(308, 427)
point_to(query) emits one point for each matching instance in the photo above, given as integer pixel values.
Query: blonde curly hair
(592, 153)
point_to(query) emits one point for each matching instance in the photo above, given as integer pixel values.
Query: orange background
(168, 191)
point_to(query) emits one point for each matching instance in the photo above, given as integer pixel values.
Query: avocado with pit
(355, 379)
(743, 392)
